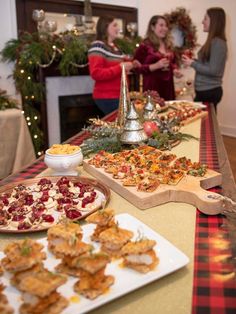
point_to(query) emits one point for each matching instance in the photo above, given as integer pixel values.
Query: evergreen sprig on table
(106, 136)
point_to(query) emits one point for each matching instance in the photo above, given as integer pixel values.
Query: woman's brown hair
(216, 29)
(151, 36)
(102, 25)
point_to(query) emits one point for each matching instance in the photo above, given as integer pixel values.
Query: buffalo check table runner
(214, 282)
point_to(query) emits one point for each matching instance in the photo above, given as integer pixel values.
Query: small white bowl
(64, 164)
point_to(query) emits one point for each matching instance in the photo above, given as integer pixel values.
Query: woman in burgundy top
(157, 59)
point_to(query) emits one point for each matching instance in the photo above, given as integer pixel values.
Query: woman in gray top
(211, 60)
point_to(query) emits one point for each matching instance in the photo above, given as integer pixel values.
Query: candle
(140, 83)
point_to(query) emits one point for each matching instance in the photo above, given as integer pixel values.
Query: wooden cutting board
(191, 190)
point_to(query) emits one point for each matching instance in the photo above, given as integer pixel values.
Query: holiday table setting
(207, 273)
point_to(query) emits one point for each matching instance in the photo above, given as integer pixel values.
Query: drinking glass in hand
(166, 68)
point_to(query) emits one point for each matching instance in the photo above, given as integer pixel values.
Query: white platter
(192, 103)
(126, 280)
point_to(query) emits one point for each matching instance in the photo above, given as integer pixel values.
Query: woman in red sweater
(105, 65)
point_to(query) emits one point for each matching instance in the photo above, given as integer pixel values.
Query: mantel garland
(180, 18)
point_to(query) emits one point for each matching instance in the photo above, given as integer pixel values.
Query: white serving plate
(126, 280)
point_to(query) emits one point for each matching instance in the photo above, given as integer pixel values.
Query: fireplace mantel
(62, 86)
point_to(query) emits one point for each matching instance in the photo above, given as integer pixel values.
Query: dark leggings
(211, 95)
(107, 105)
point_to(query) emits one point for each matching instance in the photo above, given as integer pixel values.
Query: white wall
(227, 107)
(8, 31)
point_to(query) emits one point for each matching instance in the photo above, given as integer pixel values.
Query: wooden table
(207, 284)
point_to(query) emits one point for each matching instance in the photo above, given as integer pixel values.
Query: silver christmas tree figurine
(133, 132)
(149, 110)
(124, 102)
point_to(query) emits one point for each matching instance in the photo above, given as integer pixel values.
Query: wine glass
(187, 53)
(168, 57)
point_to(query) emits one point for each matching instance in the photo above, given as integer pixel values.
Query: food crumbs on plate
(74, 299)
(121, 265)
(107, 291)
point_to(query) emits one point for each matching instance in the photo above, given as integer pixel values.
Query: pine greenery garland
(6, 102)
(128, 45)
(75, 52)
(9, 53)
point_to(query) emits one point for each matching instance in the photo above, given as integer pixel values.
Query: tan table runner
(173, 221)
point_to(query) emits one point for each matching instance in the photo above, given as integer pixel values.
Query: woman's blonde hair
(216, 29)
(151, 36)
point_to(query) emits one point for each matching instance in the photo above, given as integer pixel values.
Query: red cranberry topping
(18, 217)
(4, 199)
(37, 213)
(29, 200)
(13, 208)
(44, 198)
(44, 181)
(93, 194)
(63, 180)
(87, 200)
(64, 201)
(73, 214)
(24, 226)
(48, 218)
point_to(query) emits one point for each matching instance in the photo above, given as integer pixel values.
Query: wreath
(180, 19)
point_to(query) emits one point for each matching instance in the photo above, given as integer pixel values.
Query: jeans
(107, 105)
(211, 95)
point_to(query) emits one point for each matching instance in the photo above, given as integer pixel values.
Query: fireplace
(69, 105)
(75, 112)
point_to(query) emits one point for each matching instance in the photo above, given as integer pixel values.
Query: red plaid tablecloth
(214, 285)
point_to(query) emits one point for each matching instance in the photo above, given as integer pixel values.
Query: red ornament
(150, 127)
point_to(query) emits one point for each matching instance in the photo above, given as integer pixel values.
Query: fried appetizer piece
(42, 283)
(52, 304)
(5, 308)
(64, 268)
(113, 239)
(93, 281)
(22, 255)
(39, 293)
(1, 270)
(104, 219)
(18, 277)
(92, 262)
(69, 261)
(140, 255)
(67, 234)
(101, 217)
(71, 249)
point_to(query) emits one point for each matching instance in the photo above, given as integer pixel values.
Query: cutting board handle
(207, 202)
